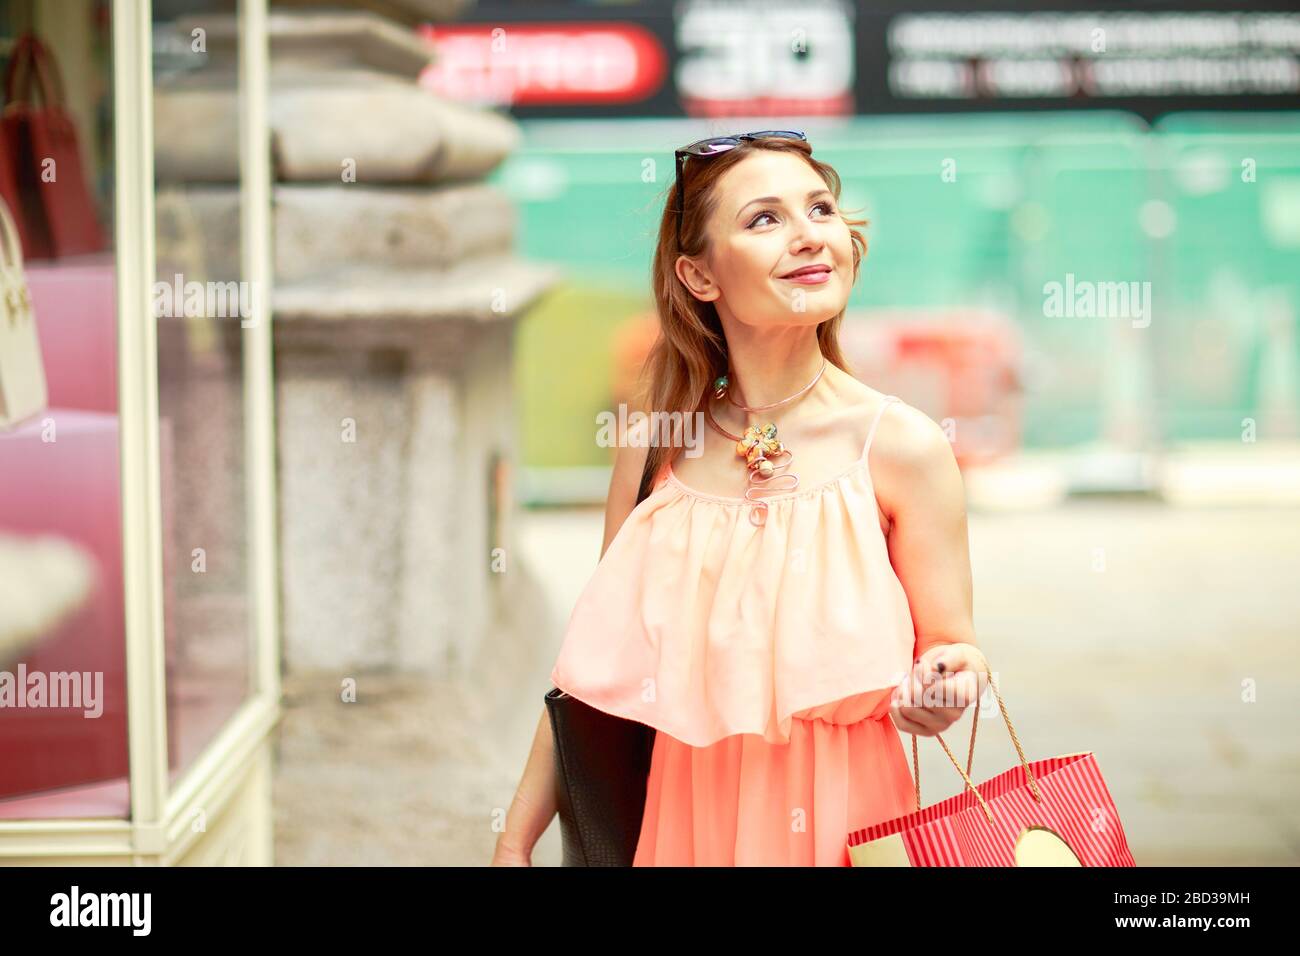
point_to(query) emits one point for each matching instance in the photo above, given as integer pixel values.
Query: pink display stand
(74, 301)
(69, 487)
(59, 763)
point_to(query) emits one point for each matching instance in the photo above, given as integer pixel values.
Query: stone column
(396, 294)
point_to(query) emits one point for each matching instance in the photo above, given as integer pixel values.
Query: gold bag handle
(14, 296)
(11, 249)
(970, 756)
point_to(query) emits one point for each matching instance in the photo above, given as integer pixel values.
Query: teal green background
(1036, 196)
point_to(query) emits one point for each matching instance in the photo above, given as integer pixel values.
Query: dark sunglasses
(712, 147)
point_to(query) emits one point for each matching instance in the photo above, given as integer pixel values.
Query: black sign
(833, 57)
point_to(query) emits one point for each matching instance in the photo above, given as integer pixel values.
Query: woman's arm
(921, 490)
(534, 805)
(625, 482)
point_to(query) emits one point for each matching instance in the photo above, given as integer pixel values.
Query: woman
(781, 589)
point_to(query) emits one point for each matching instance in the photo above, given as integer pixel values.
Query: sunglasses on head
(714, 145)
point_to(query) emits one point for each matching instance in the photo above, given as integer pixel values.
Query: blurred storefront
(193, 498)
(139, 651)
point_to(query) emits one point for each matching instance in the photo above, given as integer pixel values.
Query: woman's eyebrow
(777, 199)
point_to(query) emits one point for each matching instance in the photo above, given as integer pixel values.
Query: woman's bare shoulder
(909, 437)
(912, 459)
(904, 435)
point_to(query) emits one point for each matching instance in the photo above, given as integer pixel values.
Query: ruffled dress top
(764, 656)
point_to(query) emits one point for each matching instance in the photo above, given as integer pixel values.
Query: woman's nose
(807, 235)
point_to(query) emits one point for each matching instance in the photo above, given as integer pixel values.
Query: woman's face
(774, 215)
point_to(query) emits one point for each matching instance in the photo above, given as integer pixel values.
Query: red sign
(544, 63)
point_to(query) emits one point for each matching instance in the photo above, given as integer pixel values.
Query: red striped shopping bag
(1053, 812)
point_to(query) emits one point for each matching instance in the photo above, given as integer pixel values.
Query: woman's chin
(810, 316)
(817, 306)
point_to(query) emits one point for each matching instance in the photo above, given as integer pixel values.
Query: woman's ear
(696, 279)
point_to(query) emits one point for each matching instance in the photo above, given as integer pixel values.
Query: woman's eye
(830, 211)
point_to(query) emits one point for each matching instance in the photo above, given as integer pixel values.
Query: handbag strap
(15, 300)
(31, 53)
(11, 249)
(965, 774)
(18, 58)
(643, 490)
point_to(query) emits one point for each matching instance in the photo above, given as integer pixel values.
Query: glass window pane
(201, 304)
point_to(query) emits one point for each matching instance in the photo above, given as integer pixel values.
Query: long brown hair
(691, 349)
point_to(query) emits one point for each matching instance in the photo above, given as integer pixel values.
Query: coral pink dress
(764, 657)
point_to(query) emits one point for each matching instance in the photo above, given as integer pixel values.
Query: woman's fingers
(934, 719)
(955, 657)
(926, 705)
(911, 690)
(928, 720)
(957, 689)
(911, 723)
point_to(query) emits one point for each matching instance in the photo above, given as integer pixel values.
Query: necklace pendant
(757, 444)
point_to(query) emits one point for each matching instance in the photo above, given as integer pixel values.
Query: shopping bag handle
(965, 774)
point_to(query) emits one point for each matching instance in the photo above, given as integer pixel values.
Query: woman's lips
(810, 278)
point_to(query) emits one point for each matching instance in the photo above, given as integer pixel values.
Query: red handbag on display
(9, 189)
(52, 205)
(1052, 812)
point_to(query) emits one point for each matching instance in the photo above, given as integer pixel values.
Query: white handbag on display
(22, 373)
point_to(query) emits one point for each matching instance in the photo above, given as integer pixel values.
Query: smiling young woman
(766, 633)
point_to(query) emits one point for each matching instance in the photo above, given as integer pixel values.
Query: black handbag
(602, 763)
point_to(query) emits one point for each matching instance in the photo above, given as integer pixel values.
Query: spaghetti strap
(889, 400)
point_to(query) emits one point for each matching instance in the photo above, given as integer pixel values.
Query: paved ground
(1162, 639)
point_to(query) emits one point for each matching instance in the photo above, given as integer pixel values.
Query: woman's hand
(943, 682)
(507, 855)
